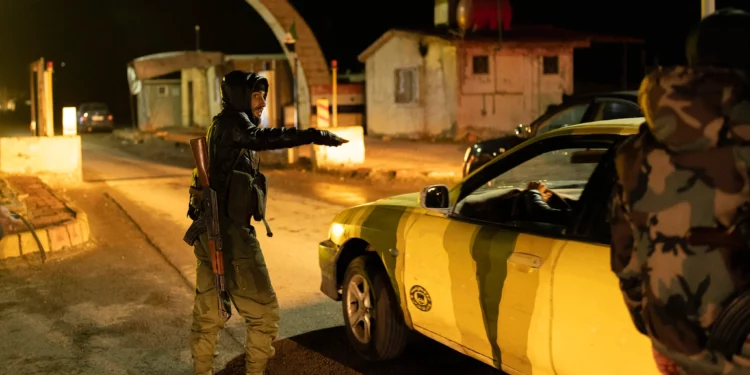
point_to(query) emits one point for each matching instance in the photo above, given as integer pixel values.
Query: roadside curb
(376, 174)
(53, 238)
(363, 173)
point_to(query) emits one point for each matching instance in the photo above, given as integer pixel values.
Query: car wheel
(373, 322)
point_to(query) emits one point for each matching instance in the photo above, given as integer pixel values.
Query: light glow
(69, 121)
(335, 233)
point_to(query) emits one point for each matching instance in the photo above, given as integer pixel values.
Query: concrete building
(438, 85)
(194, 98)
(160, 103)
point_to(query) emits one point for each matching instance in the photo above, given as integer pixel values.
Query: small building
(160, 103)
(182, 89)
(436, 84)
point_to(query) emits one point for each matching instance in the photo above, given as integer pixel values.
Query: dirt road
(115, 307)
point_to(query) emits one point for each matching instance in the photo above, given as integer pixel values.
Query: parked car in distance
(95, 117)
(572, 111)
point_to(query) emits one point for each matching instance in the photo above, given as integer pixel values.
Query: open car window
(502, 197)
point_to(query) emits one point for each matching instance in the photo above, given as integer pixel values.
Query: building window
(407, 85)
(176, 91)
(481, 64)
(551, 64)
(163, 91)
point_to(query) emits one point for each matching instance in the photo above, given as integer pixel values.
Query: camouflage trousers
(250, 291)
(709, 363)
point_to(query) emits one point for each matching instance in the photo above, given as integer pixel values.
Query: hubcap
(358, 308)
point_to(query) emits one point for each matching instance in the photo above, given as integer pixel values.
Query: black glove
(326, 138)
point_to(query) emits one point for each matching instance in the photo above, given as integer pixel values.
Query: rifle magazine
(196, 229)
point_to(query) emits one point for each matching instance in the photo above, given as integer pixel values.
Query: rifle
(211, 216)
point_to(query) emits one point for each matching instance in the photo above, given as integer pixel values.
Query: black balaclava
(722, 40)
(237, 88)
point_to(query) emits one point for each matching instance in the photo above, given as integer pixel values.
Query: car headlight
(335, 232)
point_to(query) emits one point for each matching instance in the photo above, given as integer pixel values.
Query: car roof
(623, 126)
(628, 95)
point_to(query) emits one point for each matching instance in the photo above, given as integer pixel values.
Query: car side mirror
(435, 197)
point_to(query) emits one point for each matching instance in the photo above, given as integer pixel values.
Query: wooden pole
(335, 99)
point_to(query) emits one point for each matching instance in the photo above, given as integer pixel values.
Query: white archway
(312, 69)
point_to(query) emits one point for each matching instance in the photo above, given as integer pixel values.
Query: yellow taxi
(474, 268)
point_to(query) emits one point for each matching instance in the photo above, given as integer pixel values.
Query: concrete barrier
(59, 155)
(347, 155)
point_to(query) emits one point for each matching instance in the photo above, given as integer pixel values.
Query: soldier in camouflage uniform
(682, 181)
(233, 139)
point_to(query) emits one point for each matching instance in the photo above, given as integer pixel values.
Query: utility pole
(335, 96)
(707, 7)
(197, 37)
(499, 24)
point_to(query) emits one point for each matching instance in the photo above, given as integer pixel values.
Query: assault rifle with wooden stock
(210, 213)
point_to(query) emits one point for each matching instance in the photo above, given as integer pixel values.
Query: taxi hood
(403, 200)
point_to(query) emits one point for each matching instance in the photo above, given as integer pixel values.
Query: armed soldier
(234, 192)
(680, 233)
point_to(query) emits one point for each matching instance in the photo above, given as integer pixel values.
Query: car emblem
(420, 298)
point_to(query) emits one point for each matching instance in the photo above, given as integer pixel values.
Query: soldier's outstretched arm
(261, 139)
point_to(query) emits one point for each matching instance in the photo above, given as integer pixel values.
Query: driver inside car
(535, 200)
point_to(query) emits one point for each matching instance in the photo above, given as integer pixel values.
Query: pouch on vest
(247, 198)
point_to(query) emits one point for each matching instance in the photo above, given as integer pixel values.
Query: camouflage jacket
(686, 168)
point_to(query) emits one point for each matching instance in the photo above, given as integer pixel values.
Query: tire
(388, 333)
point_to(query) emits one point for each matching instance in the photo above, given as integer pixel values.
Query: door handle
(528, 261)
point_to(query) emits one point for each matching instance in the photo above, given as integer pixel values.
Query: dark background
(95, 39)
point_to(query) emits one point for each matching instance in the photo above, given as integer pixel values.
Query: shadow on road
(327, 352)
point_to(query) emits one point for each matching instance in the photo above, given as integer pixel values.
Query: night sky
(95, 39)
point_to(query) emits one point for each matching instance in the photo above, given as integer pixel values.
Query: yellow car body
(520, 301)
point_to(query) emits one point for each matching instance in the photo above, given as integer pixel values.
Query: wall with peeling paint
(455, 102)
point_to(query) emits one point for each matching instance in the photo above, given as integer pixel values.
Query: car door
(592, 332)
(480, 279)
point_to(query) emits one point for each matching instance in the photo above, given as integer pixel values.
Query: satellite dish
(133, 82)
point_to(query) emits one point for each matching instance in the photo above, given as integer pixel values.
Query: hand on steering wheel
(560, 199)
(547, 194)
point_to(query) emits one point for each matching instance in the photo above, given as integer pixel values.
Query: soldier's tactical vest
(244, 199)
(247, 194)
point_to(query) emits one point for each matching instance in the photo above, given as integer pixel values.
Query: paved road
(300, 208)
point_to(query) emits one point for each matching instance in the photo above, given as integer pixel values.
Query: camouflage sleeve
(624, 262)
